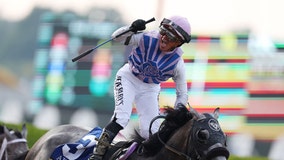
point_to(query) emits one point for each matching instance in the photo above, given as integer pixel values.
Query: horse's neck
(177, 145)
(181, 137)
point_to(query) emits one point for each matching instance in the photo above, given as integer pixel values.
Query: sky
(262, 17)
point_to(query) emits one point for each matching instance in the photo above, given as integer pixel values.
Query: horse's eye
(203, 135)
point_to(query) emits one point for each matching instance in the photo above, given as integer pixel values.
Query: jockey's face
(168, 40)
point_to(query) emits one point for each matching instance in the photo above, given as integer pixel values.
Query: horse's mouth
(218, 153)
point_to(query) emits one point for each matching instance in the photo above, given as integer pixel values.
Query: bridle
(168, 147)
(6, 143)
(191, 154)
(172, 149)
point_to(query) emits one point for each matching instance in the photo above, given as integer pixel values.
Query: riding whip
(92, 49)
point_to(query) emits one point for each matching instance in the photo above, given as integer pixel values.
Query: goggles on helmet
(185, 36)
(171, 36)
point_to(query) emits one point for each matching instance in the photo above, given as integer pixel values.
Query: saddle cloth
(83, 148)
(80, 150)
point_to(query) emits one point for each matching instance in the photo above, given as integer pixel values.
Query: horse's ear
(216, 113)
(7, 132)
(24, 131)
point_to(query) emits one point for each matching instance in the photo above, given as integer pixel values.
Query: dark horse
(13, 143)
(182, 135)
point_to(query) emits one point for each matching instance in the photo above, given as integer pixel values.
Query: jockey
(156, 56)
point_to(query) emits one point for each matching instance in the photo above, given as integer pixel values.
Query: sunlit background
(235, 61)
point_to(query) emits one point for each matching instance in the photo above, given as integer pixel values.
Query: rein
(172, 149)
(5, 143)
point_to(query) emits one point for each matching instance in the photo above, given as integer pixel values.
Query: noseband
(5, 143)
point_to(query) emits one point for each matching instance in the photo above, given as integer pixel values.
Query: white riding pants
(129, 91)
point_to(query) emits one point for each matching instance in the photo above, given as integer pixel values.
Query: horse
(183, 135)
(13, 143)
(62, 134)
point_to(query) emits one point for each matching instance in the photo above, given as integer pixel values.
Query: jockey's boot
(105, 140)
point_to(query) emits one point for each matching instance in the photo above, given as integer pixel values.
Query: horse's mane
(174, 119)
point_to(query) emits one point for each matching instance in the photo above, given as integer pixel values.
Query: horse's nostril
(203, 135)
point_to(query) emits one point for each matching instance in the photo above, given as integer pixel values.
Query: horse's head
(13, 143)
(208, 141)
(188, 135)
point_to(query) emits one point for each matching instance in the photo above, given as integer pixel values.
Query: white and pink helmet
(180, 25)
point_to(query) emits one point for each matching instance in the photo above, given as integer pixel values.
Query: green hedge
(35, 133)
